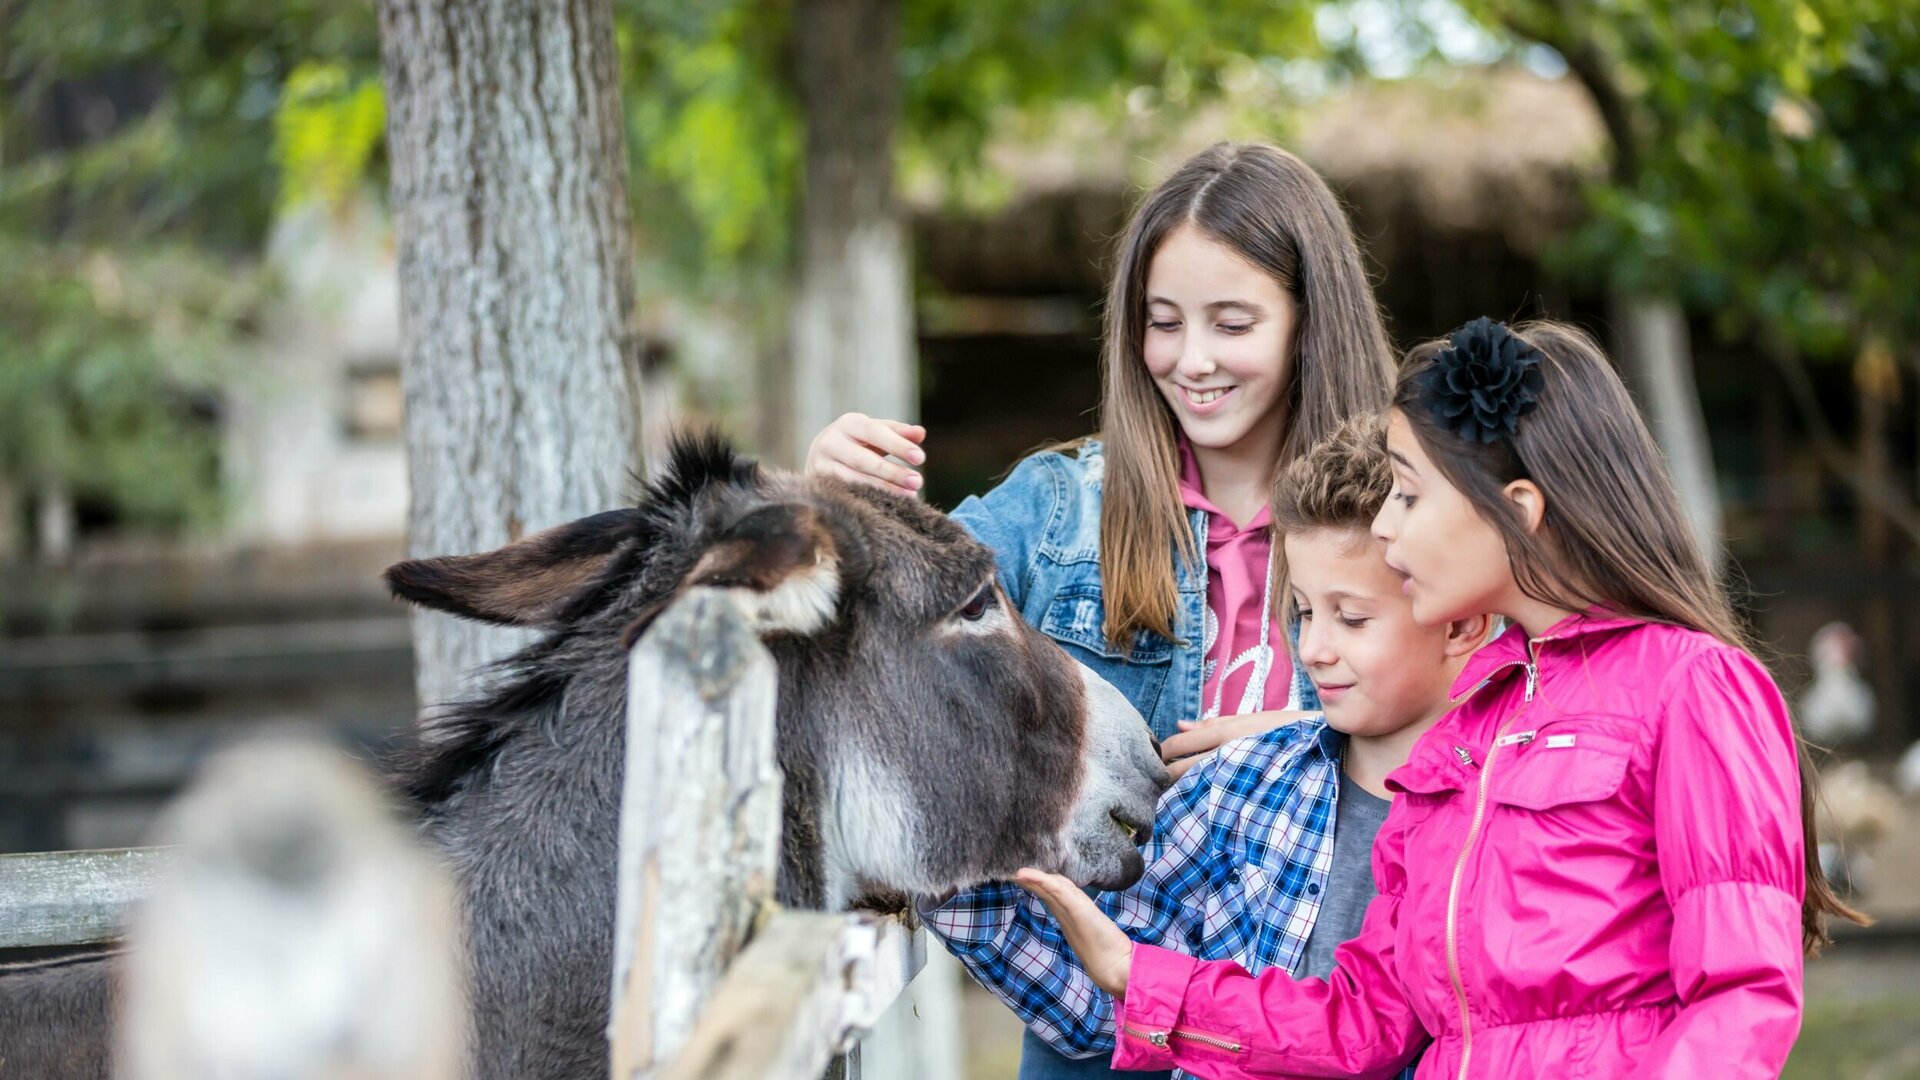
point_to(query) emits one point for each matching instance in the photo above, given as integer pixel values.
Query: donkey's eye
(977, 607)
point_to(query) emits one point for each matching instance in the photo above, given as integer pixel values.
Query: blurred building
(121, 665)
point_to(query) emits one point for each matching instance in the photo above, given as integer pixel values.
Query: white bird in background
(1837, 706)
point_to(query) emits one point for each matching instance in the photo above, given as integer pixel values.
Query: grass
(1873, 1039)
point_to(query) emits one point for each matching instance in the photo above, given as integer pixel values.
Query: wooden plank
(920, 1035)
(72, 897)
(699, 822)
(803, 992)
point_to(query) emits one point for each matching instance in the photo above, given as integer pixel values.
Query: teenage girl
(1598, 863)
(1240, 329)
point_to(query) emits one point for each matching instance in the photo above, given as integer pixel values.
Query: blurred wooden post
(699, 823)
(298, 931)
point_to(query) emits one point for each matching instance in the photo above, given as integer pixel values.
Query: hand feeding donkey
(928, 739)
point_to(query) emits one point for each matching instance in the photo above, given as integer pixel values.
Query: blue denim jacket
(1043, 524)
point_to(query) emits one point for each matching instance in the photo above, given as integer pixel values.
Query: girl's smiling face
(1453, 562)
(1219, 343)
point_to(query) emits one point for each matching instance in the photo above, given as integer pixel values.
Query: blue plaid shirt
(1241, 849)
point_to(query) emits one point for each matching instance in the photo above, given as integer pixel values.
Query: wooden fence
(711, 978)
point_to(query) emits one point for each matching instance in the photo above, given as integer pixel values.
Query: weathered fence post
(699, 822)
(297, 931)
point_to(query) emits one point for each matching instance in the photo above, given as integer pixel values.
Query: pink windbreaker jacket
(1593, 868)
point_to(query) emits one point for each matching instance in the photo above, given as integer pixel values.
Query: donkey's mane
(462, 738)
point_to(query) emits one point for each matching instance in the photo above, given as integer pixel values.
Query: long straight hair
(1275, 212)
(1618, 536)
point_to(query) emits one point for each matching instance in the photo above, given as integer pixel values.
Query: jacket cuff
(1157, 982)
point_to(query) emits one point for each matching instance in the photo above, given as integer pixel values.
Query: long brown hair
(1617, 535)
(1277, 213)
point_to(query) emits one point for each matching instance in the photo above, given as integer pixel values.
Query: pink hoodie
(1593, 868)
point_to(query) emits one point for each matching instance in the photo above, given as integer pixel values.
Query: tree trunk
(852, 326)
(10, 545)
(56, 524)
(509, 176)
(1658, 357)
(1877, 386)
(1840, 463)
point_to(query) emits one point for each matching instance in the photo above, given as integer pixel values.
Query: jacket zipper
(1473, 833)
(1159, 1038)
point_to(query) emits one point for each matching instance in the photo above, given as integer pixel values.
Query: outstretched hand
(854, 448)
(1198, 739)
(1104, 949)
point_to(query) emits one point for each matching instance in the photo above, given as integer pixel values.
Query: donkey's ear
(780, 564)
(526, 583)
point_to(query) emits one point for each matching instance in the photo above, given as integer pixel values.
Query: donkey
(928, 739)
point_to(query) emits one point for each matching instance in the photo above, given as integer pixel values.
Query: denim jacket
(1043, 524)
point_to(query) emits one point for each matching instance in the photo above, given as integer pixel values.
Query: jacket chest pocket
(1562, 765)
(1078, 616)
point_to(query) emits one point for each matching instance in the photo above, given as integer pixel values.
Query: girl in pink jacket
(1598, 864)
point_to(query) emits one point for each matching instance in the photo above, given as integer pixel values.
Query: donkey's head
(928, 737)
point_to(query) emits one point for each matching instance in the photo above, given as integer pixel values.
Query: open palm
(1104, 949)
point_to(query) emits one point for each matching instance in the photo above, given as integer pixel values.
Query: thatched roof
(1497, 152)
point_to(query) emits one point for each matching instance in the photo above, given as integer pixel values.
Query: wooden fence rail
(72, 897)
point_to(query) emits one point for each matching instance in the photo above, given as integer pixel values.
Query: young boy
(1261, 854)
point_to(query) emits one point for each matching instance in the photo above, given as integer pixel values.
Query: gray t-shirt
(1357, 817)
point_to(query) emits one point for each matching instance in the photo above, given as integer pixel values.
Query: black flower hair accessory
(1483, 382)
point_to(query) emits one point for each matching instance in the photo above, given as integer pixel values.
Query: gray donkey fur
(928, 739)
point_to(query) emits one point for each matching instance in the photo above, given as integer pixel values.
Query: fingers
(855, 448)
(851, 476)
(1103, 948)
(902, 440)
(1200, 736)
(1062, 896)
(1194, 740)
(1178, 769)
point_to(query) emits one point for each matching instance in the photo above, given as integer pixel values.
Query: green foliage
(105, 373)
(137, 183)
(716, 136)
(712, 131)
(328, 131)
(1771, 148)
(202, 79)
(965, 63)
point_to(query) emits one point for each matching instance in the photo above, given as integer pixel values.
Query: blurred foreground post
(509, 192)
(299, 933)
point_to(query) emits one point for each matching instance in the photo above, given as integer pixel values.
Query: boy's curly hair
(1340, 482)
